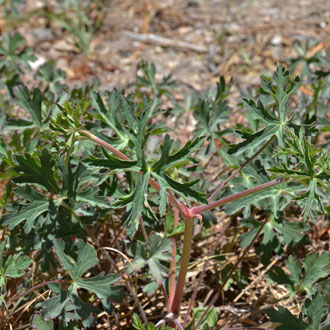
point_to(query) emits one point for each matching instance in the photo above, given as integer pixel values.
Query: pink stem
(173, 261)
(200, 277)
(188, 233)
(203, 208)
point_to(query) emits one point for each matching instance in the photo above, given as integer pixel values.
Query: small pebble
(276, 40)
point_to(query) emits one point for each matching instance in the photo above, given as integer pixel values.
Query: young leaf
(31, 105)
(29, 212)
(86, 259)
(110, 162)
(287, 320)
(137, 201)
(168, 160)
(152, 254)
(38, 172)
(182, 188)
(210, 319)
(304, 275)
(13, 267)
(39, 323)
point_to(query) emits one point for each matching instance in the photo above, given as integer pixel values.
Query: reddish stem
(173, 261)
(200, 277)
(188, 233)
(203, 208)
(105, 144)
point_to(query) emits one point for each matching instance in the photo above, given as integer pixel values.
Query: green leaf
(254, 140)
(40, 324)
(54, 306)
(291, 231)
(246, 238)
(304, 275)
(16, 265)
(38, 172)
(31, 105)
(181, 188)
(295, 270)
(210, 319)
(167, 161)
(14, 54)
(310, 198)
(68, 301)
(28, 212)
(249, 200)
(110, 162)
(285, 88)
(152, 254)
(109, 116)
(137, 324)
(277, 275)
(86, 258)
(100, 285)
(13, 267)
(316, 266)
(314, 315)
(259, 112)
(91, 197)
(317, 309)
(139, 196)
(287, 320)
(13, 124)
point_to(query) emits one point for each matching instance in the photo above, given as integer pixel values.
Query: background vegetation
(195, 197)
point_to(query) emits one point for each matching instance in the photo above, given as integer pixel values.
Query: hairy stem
(104, 144)
(188, 232)
(200, 277)
(203, 208)
(173, 261)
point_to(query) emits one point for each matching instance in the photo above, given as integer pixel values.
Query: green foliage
(13, 53)
(152, 254)
(11, 8)
(280, 88)
(137, 324)
(13, 266)
(209, 321)
(147, 79)
(314, 316)
(303, 275)
(83, 161)
(74, 18)
(66, 303)
(210, 112)
(39, 323)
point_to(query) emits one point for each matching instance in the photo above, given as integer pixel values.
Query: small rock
(276, 40)
(37, 63)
